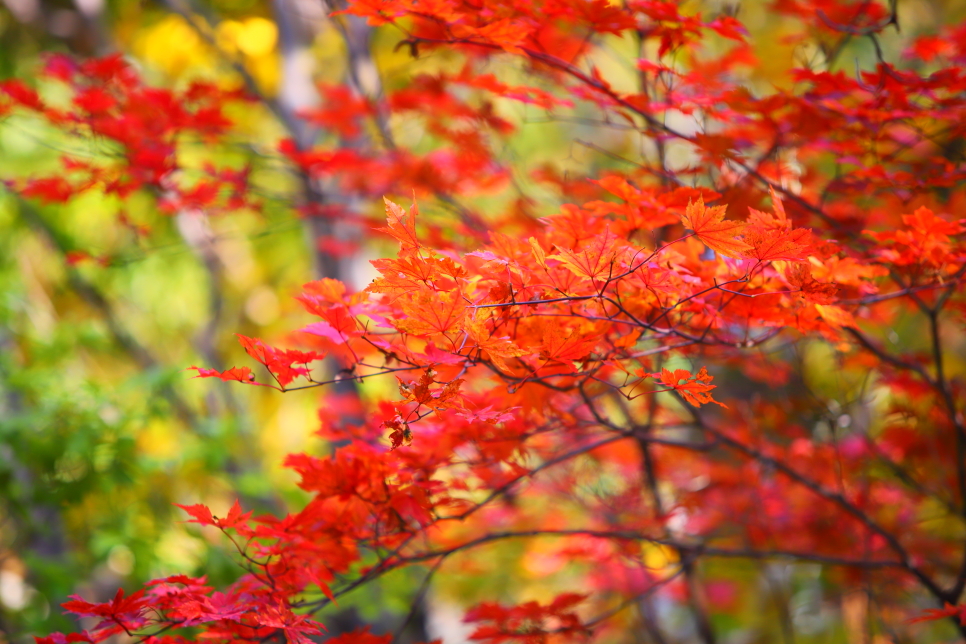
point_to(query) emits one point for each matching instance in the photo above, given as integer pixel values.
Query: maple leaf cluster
(655, 328)
(141, 126)
(529, 622)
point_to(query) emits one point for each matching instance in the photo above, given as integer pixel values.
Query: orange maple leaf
(496, 347)
(777, 220)
(709, 225)
(506, 33)
(836, 316)
(445, 396)
(402, 226)
(563, 344)
(594, 261)
(327, 289)
(774, 244)
(429, 312)
(695, 389)
(799, 275)
(405, 275)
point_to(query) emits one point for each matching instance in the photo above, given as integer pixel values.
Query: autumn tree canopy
(707, 363)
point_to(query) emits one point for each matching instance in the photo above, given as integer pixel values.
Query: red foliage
(534, 346)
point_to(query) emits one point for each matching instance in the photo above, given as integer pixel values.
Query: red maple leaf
(120, 614)
(241, 374)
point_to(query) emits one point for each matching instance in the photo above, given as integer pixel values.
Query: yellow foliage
(657, 557)
(257, 37)
(266, 72)
(175, 46)
(159, 439)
